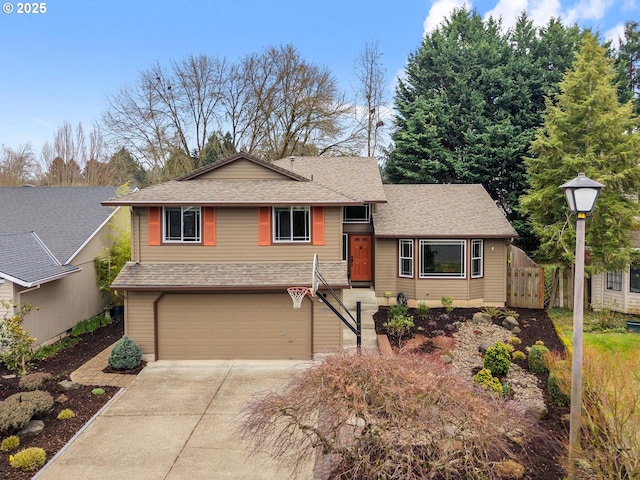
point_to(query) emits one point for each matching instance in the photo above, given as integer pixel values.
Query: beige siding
(495, 272)
(6, 293)
(327, 328)
(60, 304)
(243, 170)
(139, 319)
(237, 241)
(620, 301)
(465, 291)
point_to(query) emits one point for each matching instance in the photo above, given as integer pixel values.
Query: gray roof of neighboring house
(41, 265)
(63, 219)
(358, 177)
(223, 276)
(235, 193)
(435, 210)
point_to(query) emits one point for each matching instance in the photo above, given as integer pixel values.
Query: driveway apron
(177, 420)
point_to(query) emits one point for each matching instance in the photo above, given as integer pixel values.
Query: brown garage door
(228, 326)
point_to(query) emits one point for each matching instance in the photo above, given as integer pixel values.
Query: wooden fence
(525, 281)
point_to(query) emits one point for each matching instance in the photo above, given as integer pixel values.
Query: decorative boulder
(480, 317)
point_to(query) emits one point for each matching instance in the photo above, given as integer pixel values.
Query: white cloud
(508, 11)
(440, 10)
(587, 10)
(540, 11)
(615, 34)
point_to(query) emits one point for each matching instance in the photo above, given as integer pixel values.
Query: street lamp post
(581, 194)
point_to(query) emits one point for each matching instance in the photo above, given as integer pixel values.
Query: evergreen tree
(586, 130)
(628, 64)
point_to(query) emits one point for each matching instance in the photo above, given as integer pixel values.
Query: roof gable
(242, 166)
(440, 211)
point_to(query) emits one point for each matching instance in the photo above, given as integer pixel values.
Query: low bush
(422, 310)
(399, 325)
(29, 459)
(498, 359)
(125, 355)
(34, 381)
(518, 355)
(89, 325)
(447, 303)
(397, 310)
(415, 420)
(486, 379)
(493, 312)
(18, 409)
(16, 342)
(9, 444)
(52, 350)
(515, 341)
(66, 414)
(536, 358)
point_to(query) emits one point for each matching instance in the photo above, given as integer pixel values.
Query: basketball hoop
(297, 294)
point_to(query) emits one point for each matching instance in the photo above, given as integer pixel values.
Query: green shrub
(89, 325)
(125, 355)
(515, 341)
(497, 359)
(10, 443)
(447, 303)
(518, 355)
(48, 351)
(29, 459)
(396, 310)
(493, 312)
(559, 383)
(488, 381)
(97, 391)
(17, 353)
(18, 409)
(399, 325)
(422, 310)
(33, 381)
(536, 358)
(66, 414)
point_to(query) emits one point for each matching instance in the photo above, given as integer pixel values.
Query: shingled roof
(440, 211)
(52, 225)
(226, 276)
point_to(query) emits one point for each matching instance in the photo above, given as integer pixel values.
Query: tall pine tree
(586, 130)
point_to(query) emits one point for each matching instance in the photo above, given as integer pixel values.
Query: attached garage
(232, 326)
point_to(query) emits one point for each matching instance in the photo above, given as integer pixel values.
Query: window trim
(631, 279)
(367, 207)
(274, 224)
(345, 246)
(480, 258)
(196, 239)
(613, 281)
(463, 258)
(410, 243)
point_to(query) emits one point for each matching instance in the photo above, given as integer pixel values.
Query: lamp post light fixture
(581, 193)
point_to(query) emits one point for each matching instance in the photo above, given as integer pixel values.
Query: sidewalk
(91, 373)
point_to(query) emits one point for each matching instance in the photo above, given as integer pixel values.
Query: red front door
(360, 251)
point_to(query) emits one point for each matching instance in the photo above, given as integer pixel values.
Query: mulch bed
(543, 460)
(82, 402)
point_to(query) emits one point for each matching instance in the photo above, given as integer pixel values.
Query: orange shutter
(264, 226)
(209, 226)
(155, 226)
(317, 232)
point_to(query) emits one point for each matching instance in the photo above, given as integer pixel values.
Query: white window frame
(463, 256)
(614, 279)
(198, 226)
(365, 219)
(479, 258)
(291, 238)
(409, 243)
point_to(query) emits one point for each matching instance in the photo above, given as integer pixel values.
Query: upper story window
(442, 258)
(291, 224)
(181, 224)
(357, 214)
(614, 281)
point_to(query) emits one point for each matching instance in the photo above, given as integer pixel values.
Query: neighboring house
(618, 290)
(214, 251)
(49, 238)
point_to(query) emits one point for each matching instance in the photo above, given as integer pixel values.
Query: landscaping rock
(33, 428)
(480, 317)
(537, 410)
(66, 385)
(8, 377)
(516, 330)
(510, 323)
(483, 347)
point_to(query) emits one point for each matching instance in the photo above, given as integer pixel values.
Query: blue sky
(58, 66)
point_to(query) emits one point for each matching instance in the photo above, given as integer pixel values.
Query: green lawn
(605, 331)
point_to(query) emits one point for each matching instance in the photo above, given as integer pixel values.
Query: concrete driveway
(177, 421)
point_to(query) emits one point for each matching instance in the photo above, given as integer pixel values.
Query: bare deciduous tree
(16, 165)
(370, 95)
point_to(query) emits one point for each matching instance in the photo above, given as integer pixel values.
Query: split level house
(213, 253)
(49, 238)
